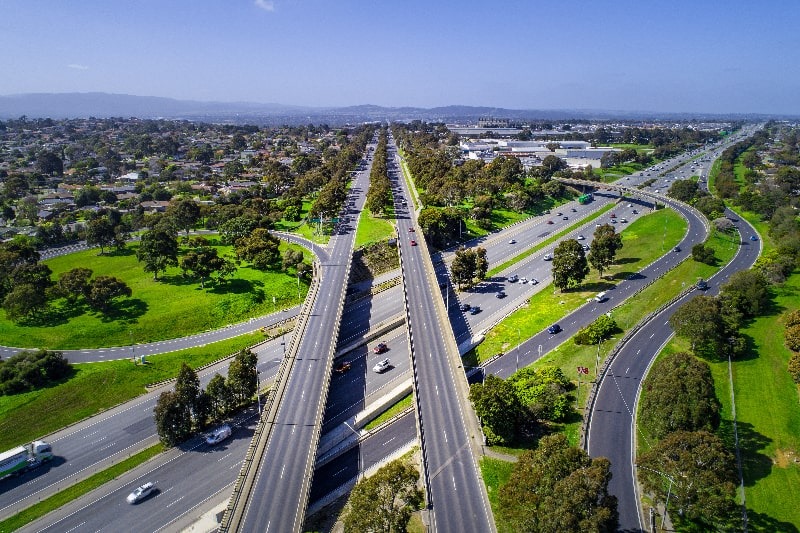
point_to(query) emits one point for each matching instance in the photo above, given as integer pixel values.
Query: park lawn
(637, 147)
(95, 387)
(495, 473)
(169, 308)
(373, 229)
(546, 307)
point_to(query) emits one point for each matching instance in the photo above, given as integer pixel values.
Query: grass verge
(549, 241)
(98, 386)
(391, 412)
(495, 473)
(372, 229)
(79, 489)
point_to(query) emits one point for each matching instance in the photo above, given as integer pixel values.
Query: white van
(601, 297)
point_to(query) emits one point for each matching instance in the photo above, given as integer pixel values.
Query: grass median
(527, 253)
(95, 387)
(77, 490)
(391, 412)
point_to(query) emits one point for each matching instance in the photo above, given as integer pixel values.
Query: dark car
(501, 294)
(555, 328)
(676, 249)
(413, 242)
(474, 310)
(463, 307)
(753, 238)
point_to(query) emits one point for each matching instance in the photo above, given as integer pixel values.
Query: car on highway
(513, 278)
(585, 247)
(474, 310)
(534, 281)
(413, 242)
(549, 221)
(623, 220)
(565, 217)
(140, 492)
(219, 435)
(464, 307)
(342, 367)
(380, 347)
(581, 237)
(555, 328)
(381, 366)
(512, 241)
(676, 249)
(500, 295)
(548, 257)
(411, 230)
(574, 210)
(753, 238)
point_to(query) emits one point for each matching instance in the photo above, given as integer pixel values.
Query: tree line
(379, 195)
(187, 409)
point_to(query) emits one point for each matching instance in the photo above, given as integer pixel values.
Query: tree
(203, 262)
(747, 291)
(700, 321)
(185, 213)
(291, 258)
(552, 164)
(220, 396)
(679, 395)
(558, 487)
(23, 301)
(187, 388)
(261, 248)
(102, 291)
(173, 419)
(498, 407)
(604, 247)
(236, 228)
(242, 376)
(570, 267)
(542, 391)
(100, 232)
(702, 472)
(31, 370)
(599, 330)
(385, 501)
(468, 265)
(683, 190)
(703, 254)
(158, 250)
(49, 163)
(74, 283)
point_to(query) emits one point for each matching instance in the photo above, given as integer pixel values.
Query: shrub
(27, 371)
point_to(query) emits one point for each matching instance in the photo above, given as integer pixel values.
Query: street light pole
(258, 392)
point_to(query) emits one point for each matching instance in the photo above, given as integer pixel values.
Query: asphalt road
(133, 429)
(279, 493)
(456, 494)
(611, 429)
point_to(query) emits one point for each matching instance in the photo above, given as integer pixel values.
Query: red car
(549, 221)
(413, 242)
(380, 348)
(342, 367)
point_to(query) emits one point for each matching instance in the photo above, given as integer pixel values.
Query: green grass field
(98, 386)
(373, 228)
(169, 308)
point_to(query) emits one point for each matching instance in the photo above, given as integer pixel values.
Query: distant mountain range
(101, 105)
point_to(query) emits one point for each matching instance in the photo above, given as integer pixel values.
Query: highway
(356, 320)
(611, 431)
(274, 498)
(456, 494)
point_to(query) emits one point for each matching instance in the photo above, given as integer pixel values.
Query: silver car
(139, 493)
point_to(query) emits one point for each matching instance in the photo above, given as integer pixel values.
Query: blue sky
(679, 55)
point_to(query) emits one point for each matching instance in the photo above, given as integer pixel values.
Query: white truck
(24, 458)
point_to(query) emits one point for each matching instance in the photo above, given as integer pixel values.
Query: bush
(27, 371)
(602, 328)
(794, 367)
(792, 336)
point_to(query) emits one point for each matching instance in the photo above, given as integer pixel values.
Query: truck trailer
(24, 458)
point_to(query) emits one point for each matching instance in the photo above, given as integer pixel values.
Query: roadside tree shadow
(755, 464)
(763, 523)
(125, 310)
